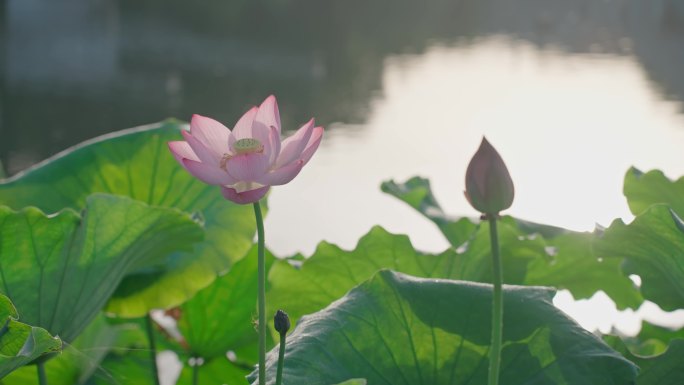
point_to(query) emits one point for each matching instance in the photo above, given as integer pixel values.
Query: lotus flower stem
(497, 303)
(42, 378)
(153, 348)
(261, 299)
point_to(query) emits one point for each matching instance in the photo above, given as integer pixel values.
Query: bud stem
(149, 328)
(497, 303)
(42, 378)
(281, 359)
(261, 298)
(195, 373)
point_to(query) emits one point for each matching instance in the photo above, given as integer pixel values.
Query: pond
(572, 93)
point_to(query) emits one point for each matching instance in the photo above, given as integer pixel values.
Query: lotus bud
(489, 187)
(281, 322)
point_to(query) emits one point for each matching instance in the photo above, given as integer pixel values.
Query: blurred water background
(571, 92)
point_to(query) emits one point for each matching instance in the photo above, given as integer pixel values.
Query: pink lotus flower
(250, 159)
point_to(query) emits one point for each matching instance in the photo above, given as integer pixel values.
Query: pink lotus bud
(489, 187)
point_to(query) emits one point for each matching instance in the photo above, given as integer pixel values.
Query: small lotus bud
(489, 187)
(281, 322)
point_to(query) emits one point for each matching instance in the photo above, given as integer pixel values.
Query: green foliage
(136, 163)
(416, 192)
(61, 270)
(396, 329)
(217, 371)
(355, 381)
(330, 272)
(651, 247)
(664, 369)
(221, 316)
(570, 265)
(645, 189)
(574, 267)
(78, 361)
(21, 344)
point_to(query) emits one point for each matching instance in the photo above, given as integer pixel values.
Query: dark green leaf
(663, 369)
(60, 270)
(396, 329)
(137, 163)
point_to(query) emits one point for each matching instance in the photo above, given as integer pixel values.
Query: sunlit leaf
(137, 163)
(645, 189)
(331, 271)
(78, 361)
(574, 267)
(60, 270)
(652, 247)
(217, 371)
(416, 193)
(396, 329)
(355, 381)
(304, 287)
(20, 344)
(221, 316)
(570, 265)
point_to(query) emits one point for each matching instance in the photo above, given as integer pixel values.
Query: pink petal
(243, 128)
(293, 146)
(273, 148)
(181, 150)
(208, 174)
(312, 146)
(268, 114)
(248, 167)
(282, 175)
(211, 133)
(206, 155)
(249, 196)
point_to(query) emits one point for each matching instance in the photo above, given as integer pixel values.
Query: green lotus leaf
(396, 329)
(78, 361)
(221, 316)
(60, 270)
(305, 287)
(416, 192)
(21, 344)
(216, 371)
(645, 189)
(354, 381)
(575, 267)
(137, 163)
(651, 247)
(571, 265)
(663, 369)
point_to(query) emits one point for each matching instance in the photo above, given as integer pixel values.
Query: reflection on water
(571, 92)
(75, 69)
